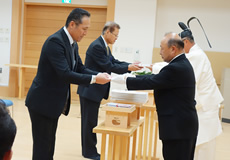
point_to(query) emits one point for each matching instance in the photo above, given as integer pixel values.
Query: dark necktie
(73, 55)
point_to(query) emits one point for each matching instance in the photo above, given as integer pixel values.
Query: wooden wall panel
(111, 10)
(42, 21)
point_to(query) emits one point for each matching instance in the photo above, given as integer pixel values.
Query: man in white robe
(208, 98)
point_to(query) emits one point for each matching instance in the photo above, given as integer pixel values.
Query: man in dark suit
(174, 91)
(99, 58)
(59, 66)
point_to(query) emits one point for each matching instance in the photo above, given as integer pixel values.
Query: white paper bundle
(129, 96)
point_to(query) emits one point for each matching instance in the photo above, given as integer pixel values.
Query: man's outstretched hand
(103, 78)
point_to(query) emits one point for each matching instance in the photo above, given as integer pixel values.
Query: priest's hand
(150, 67)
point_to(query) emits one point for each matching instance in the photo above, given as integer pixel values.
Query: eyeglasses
(114, 34)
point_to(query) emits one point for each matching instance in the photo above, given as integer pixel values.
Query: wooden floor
(68, 140)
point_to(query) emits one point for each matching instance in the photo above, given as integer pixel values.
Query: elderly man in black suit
(174, 91)
(99, 58)
(59, 66)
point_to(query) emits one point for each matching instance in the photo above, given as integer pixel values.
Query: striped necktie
(107, 49)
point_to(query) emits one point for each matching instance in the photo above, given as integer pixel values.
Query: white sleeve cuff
(93, 79)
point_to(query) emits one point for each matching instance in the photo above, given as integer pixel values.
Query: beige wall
(213, 15)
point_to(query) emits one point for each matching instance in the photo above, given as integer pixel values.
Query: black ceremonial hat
(187, 31)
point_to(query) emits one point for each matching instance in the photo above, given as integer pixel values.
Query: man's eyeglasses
(114, 34)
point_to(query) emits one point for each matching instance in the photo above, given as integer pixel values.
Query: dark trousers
(182, 149)
(43, 132)
(89, 119)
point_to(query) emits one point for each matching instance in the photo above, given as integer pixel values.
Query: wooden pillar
(110, 10)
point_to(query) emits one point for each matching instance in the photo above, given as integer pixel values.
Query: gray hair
(110, 26)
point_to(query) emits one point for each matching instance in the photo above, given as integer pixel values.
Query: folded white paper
(130, 96)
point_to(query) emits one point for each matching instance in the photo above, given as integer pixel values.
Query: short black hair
(7, 130)
(76, 15)
(110, 26)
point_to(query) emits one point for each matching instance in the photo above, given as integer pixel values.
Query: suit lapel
(103, 45)
(68, 48)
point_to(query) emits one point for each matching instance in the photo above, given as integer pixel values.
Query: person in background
(208, 98)
(59, 66)
(174, 93)
(99, 58)
(8, 131)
